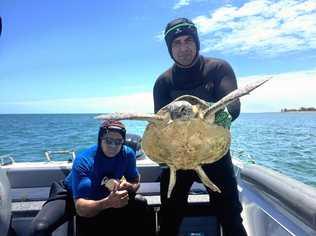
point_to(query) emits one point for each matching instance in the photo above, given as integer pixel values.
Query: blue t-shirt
(90, 167)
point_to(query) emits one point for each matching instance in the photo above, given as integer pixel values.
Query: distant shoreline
(302, 109)
(95, 114)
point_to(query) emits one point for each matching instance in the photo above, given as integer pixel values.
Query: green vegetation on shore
(300, 109)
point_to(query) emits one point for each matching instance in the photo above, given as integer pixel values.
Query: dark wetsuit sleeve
(226, 82)
(161, 94)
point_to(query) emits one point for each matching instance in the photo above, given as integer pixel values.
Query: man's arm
(226, 83)
(160, 94)
(131, 174)
(82, 189)
(90, 208)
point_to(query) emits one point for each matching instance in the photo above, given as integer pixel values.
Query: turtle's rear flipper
(130, 116)
(205, 180)
(172, 180)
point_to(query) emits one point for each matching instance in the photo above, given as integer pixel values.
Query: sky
(99, 56)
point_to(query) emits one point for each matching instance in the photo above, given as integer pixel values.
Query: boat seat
(198, 215)
(26, 202)
(36, 176)
(28, 196)
(41, 193)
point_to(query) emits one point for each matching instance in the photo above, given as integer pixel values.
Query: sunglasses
(112, 141)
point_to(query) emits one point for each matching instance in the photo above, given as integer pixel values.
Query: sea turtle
(183, 134)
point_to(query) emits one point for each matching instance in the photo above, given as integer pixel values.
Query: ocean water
(285, 142)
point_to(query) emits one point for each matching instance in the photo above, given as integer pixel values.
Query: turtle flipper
(233, 96)
(172, 180)
(205, 180)
(130, 116)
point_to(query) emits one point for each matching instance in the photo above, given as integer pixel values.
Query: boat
(273, 204)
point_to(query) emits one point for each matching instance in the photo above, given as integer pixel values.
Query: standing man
(209, 79)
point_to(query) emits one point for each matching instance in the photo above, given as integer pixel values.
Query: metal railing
(6, 160)
(49, 154)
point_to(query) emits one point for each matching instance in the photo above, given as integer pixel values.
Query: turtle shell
(186, 144)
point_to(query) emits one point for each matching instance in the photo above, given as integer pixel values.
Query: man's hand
(124, 185)
(90, 208)
(131, 187)
(223, 118)
(110, 184)
(117, 198)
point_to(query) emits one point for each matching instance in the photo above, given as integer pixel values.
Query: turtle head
(182, 110)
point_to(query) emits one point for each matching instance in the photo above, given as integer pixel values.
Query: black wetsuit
(209, 79)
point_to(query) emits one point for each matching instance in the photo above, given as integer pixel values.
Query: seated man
(95, 192)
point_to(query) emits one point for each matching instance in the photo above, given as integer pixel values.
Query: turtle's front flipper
(205, 180)
(130, 116)
(233, 96)
(172, 180)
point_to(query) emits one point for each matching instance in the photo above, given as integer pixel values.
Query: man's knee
(140, 201)
(39, 228)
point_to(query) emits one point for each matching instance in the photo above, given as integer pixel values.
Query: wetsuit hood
(180, 27)
(110, 125)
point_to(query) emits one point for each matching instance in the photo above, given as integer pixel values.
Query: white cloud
(286, 90)
(140, 102)
(181, 3)
(261, 26)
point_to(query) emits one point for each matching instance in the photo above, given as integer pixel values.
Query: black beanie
(179, 27)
